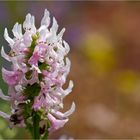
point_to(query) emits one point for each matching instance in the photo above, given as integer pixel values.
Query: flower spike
(38, 72)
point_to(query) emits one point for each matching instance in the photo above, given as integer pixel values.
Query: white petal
(67, 48)
(43, 35)
(65, 92)
(54, 27)
(46, 18)
(42, 28)
(4, 115)
(26, 23)
(32, 20)
(69, 89)
(7, 38)
(67, 66)
(4, 55)
(35, 68)
(28, 17)
(29, 23)
(19, 30)
(4, 97)
(61, 115)
(14, 30)
(70, 111)
(68, 62)
(59, 36)
(18, 88)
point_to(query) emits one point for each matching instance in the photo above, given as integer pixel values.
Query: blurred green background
(105, 54)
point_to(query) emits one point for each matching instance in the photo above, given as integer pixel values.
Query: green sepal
(43, 66)
(32, 90)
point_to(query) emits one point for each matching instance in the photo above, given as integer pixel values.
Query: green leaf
(32, 90)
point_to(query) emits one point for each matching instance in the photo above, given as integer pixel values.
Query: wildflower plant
(38, 72)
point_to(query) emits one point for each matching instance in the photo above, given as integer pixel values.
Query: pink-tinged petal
(27, 39)
(55, 123)
(16, 61)
(37, 103)
(39, 52)
(15, 96)
(34, 78)
(4, 97)
(11, 77)
(34, 59)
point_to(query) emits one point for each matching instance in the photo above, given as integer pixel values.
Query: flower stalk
(36, 119)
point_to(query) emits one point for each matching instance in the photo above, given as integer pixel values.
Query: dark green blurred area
(105, 51)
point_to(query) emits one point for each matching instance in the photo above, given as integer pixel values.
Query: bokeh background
(105, 52)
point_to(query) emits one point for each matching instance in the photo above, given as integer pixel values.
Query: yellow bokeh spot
(127, 81)
(99, 50)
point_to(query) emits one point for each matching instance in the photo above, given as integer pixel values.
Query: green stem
(36, 119)
(46, 135)
(47, 132)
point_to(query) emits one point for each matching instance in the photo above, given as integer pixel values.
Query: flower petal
(55, 123)
(29, 23)
(67, 48)
(54, 27)
(70, 111)
(4, 55)
(59, 36)
(46, 18)
(61, 115)
(4, 115)
(10, 77)
(7, 38)
(17, 31)
(65, 92)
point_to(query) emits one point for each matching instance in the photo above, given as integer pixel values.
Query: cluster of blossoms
(38, 72)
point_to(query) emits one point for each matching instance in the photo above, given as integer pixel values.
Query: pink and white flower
(38, 72)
